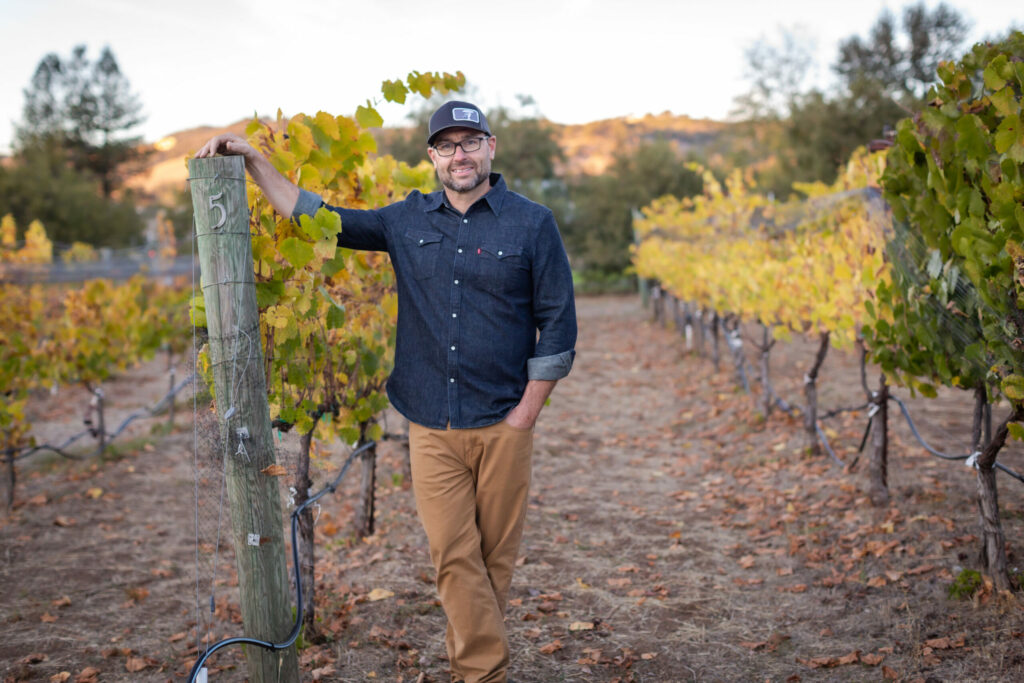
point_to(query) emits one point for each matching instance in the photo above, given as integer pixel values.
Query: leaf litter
(673, 534)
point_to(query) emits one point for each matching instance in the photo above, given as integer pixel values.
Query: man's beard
(467, 183)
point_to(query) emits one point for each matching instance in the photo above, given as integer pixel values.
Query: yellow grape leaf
(390, 305)
(325, 248)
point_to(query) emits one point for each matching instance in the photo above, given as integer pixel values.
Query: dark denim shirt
(474, 289)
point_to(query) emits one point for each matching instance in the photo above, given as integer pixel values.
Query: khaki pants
(471, 489)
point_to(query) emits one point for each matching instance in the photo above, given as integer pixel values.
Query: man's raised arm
(282, 193)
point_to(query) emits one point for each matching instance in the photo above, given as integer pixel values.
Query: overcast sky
(212, 62)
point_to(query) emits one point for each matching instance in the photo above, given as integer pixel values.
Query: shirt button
(465, 220)
(455, 315)
(456, 282)
(460, 251)
(451, 379)
(421, 241)
(499, 253)
(453, 348)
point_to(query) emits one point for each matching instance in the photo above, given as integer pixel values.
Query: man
(480, 270)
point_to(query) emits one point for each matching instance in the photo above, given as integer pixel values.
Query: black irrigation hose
(794, 411)
(297, 628)
(783, 405)
(824, 442)
(59, 450)
(837, 411)
(28, 451)
(945, 456)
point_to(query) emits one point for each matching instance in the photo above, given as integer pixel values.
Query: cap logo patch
(464, 114)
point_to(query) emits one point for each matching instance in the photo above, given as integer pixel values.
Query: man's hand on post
(282, 193)
(227, 143)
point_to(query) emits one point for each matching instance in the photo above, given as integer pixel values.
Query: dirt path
(674, 535)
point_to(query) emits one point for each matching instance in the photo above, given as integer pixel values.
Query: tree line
(70, 151)
(75, 139)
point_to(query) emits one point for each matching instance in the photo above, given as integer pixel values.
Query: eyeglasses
(446, 148)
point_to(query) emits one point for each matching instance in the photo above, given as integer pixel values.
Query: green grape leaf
(367, 117)
(297, 252)
(1016, 430)
(1012, 387)
(394, 91)
(971, 136)
(1007, 134)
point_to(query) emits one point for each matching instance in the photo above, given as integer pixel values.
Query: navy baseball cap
(456, 114)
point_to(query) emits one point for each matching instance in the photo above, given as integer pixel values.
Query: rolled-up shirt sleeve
(554, 306)
(307, 205)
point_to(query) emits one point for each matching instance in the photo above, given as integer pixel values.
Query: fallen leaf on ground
(62, 677)
(581, 626)
(138, 593)
(274, 470)
(923, 569)
(62, 521)
(318, 674)
(552, 647)
(135, 664)
(798, 588)
(819, 662)
(87, 675)
(769, 645)
(944, 643)
(379, 594)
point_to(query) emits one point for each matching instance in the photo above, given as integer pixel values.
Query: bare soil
(674, 534)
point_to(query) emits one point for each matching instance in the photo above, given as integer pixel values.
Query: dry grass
(691, 533)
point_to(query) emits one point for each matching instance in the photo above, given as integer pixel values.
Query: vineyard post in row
(236, 360)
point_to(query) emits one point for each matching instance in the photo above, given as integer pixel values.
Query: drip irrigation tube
(945, 456)
(293, 636)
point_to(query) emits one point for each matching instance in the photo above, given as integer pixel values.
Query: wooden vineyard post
(236, 360)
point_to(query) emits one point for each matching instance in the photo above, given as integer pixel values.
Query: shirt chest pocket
(424, 249)
(502, 266)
